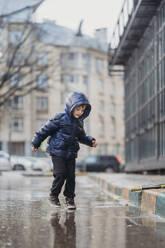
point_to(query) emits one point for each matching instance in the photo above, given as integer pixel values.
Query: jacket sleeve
(48, 129)
(83, 138)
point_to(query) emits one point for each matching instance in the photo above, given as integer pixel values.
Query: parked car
(5, 164)
(20, 163)
(40, 164)
(99, 163)
(48, 160)
(29, 163)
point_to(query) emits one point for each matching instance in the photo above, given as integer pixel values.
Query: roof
(53, 34)
(18, 10)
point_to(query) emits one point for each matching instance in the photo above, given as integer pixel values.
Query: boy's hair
(83, 106)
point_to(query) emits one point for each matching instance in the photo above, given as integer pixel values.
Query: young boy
(65, 131)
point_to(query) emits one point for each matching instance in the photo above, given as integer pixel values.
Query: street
(28, 220)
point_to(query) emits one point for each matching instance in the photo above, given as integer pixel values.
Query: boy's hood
(74, 100)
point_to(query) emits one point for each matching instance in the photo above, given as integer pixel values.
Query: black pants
(63, 172)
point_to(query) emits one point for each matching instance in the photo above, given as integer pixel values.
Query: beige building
(67, 61)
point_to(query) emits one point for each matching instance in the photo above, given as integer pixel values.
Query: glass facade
(145, 94)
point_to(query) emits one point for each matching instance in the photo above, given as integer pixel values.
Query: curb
(79, 173)
(148, 201)
(37, 174)
(48, 174)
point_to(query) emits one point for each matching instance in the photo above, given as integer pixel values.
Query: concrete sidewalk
(120, 184)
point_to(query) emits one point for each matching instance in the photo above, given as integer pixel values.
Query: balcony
(133, 20)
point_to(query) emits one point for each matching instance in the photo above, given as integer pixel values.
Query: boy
(65, 131)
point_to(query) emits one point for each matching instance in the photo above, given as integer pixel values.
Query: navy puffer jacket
(65, 130)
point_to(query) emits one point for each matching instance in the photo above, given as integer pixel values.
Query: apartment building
(66, 61)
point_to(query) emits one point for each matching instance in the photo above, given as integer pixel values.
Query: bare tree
(23, 66)
(17, 61)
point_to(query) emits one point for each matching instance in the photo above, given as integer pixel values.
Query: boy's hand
(34, 149)
(94, 143)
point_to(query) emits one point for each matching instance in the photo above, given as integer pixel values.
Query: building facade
(67, 61)
(141, 50)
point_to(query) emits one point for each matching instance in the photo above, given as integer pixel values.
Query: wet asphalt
(28, 220)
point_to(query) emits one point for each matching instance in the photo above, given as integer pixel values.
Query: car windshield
(91, 160)
(107, 158)
(4, 155)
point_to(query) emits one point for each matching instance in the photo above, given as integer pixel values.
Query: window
(17, 148)
(101, 127)
(2, 59)
(1, 39)
(42, 59)
(1, 34)
(63, 59)
(17, 102)
(70, 60)
(86, 61)
(1, 76)
(74, 78)
(71, 56)
(40, 123)
(42, 81)
(16, 80)
(112, 109)
(2, 156)
(63, 78)
(113, 128)
(111, 89)
(17, 124)
(103, 149)
(69, 79)
(85, 81)
(73, 60)
(101, 107)
(42, 103)
(15, 37)
(100, 85)
(99, 65)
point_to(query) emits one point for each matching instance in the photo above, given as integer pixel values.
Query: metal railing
(124, 16)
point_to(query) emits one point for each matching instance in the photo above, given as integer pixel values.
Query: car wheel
(18, 167)
(116, 168)
(109, 170)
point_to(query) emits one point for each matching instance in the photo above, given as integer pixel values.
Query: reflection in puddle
(64, 228)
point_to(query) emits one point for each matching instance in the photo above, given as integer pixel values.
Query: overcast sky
(96, 14)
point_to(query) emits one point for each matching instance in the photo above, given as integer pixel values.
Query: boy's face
(79, 111)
